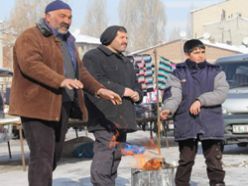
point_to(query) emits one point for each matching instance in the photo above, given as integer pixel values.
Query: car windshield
(236, 73)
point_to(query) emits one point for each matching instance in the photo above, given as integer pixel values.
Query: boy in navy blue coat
(196, 90)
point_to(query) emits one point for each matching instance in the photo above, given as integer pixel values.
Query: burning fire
(146, 162)
(149, 159)
(113, 143)
(146, 158)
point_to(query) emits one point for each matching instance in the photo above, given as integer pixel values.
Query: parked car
(235, 108)
(4, 73)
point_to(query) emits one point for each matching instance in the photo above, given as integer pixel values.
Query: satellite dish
(76, 32)
(183, 34)
(245, 41)
(206, 35)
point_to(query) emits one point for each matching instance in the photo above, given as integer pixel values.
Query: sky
(177, 11)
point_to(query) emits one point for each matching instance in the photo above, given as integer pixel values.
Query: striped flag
(165, 68)
(148, 73)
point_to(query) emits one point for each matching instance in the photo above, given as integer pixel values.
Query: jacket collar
(47, 31)
(108, 52)
(194, 65)
(44, 28)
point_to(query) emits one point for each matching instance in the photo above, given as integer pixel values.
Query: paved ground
(75, 172)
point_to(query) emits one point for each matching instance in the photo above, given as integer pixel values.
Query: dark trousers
(212, 150)
(45, 140)
(107, 156)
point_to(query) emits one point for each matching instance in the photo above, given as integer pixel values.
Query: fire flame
(151, 159)
(113, 143)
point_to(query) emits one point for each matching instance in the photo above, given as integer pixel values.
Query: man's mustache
(65, 25)
(124, 44)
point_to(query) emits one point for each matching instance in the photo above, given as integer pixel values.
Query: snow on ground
(76, 172)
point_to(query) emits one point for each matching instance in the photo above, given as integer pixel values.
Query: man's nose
(125, 40)
(67, 20)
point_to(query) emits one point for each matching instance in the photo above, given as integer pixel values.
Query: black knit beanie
(109, 34)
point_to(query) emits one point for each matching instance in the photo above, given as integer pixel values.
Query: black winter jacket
(115, 72)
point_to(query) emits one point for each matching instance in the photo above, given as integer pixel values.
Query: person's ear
(47, 17)
(187, 55)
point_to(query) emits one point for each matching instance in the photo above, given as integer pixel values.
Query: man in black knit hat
(110, 124)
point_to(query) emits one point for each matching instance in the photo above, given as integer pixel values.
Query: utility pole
(158, 122)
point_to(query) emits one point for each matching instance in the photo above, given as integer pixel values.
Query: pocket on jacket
(31, 92)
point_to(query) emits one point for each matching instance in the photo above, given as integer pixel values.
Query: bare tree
(95, 19)
(145, 21)
(189, 22)
(175, 34)
(26, 13)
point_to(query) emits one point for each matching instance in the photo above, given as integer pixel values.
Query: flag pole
(158, 122)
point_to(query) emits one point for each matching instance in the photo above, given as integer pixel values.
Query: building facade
(173, 51)
(224, 22)
(84, 43)
(1, 53)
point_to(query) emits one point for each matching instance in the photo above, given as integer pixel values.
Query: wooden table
(15, 121)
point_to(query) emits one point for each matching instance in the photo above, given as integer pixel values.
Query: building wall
(225, 10)
(1, 53)
(213, 53)
(173, 51)
(84, 47)
(231, 31)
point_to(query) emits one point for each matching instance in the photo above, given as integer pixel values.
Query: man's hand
(195, 108)
(164, 114)
(71, 84)
(135, 97)
(109, 95)
(128, 92)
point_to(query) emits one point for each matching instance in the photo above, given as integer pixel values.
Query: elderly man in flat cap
(109, 123)
(47, 84)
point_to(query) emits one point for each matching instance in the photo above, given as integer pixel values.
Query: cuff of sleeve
(96, 93)
(140, 96)
(201, 100)
(172, 112)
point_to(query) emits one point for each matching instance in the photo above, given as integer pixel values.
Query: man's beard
(63, 28)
